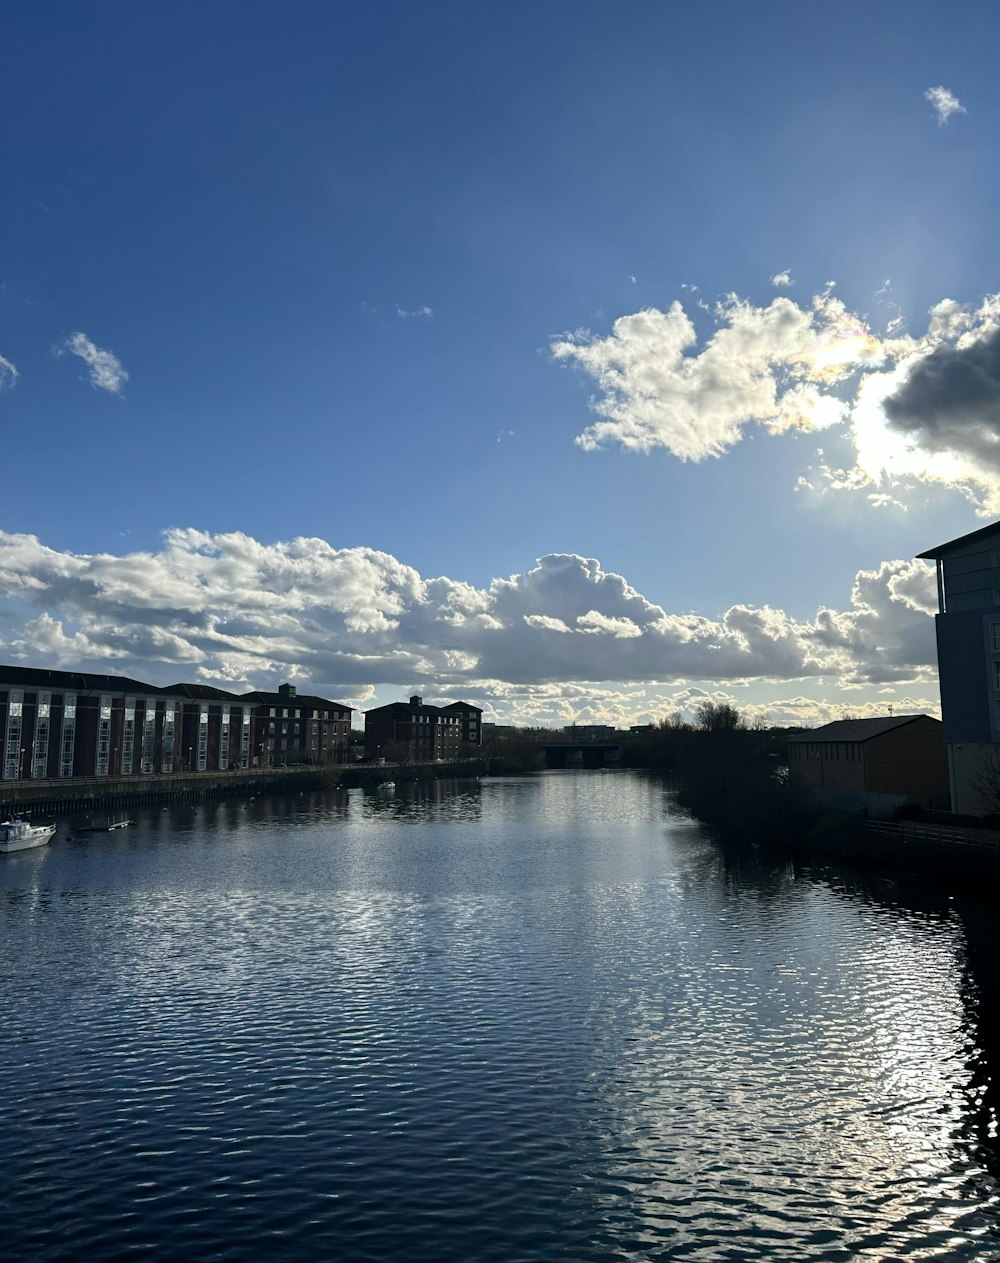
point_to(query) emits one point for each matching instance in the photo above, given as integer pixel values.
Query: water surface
(500, 1020)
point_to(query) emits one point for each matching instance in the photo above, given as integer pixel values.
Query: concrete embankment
(87, 793)
(84, 793)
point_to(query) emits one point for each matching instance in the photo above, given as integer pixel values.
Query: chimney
(286, 690)
(416, 701)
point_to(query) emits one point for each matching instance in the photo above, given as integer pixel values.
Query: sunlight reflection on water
(502, 1020)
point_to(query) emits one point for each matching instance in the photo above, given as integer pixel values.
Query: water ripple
(516, 1020)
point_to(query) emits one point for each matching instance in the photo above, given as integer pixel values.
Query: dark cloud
(951, 400)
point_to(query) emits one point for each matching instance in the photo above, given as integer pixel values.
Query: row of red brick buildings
(57, 724)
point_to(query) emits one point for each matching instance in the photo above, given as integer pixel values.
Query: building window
(224, 739)
(40, 754)
(148, 739)
(67, 740)
(167, 754)
(12, 749)
(128, 736)
(103, 738)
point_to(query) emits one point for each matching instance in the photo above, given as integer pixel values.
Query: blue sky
(399, 280)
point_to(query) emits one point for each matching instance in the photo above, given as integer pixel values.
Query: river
(524, 1019)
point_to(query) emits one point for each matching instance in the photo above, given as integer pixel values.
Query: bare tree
(719, 717)
(985, 778)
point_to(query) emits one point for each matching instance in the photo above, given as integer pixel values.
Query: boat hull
(24, 837)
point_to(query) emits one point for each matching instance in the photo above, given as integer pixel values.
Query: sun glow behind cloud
(916, 409)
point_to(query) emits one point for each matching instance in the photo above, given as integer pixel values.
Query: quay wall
(85, 793)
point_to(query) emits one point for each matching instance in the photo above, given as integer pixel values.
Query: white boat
(19, 835)
(386, 785)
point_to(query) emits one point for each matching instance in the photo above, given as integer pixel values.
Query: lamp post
(190, 767)
(111, 767)
(20, 770)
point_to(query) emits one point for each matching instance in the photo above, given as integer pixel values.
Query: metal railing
(937, 834)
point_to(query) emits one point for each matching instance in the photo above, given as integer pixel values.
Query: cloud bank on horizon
(563, 640)
(916, 409)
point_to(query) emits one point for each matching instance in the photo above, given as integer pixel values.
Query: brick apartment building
(56, 724)
(420, 732)
(299, 728)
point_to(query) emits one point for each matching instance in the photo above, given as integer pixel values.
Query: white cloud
(944, 102)
(782, 279)
(425, 313)
(8, 374)
(232, 611)
(773, 365)
(106, 370)
(916, 409)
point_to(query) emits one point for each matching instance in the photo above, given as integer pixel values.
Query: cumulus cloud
(237, 613)
(782, 279)
(106, 370)
(950, 399)
(774, 365)
(916, 409)
(944, 102)
(8, 374)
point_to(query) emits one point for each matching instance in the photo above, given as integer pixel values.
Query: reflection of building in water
(421, 733)
(446, 799)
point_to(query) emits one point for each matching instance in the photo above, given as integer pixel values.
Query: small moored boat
(19, 835)
(386, 785)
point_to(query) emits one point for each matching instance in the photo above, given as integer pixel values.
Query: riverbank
(90, 793)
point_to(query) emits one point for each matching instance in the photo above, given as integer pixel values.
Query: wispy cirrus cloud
(106, 369)
(417, 313)
(945, 103)
(8, 374)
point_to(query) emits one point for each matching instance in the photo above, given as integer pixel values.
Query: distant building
(67, 723)
(873, 764)
(290, 727)
(216, 733)
(968, 649)
(77, 723)
(420, 732)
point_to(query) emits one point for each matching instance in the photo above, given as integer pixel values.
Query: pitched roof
(204, 692)
(416, 708)
(857, 729)
(42, 677)
(973, 537)
(306, 700)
